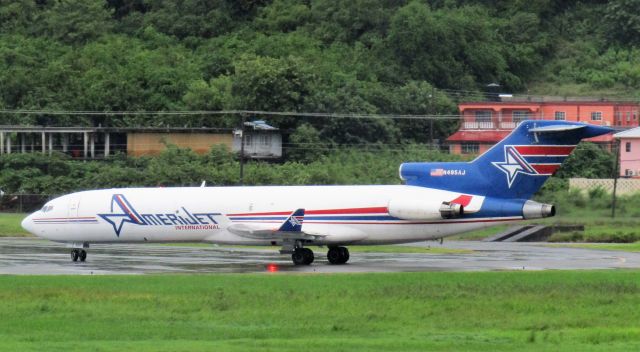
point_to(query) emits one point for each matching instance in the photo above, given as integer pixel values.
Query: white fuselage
(338, 214)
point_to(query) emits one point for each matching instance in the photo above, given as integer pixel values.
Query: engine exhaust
(450, 210)
(535, 210)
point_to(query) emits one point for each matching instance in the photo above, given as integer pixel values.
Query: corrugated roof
(632, 133)
(487, 136)
(495, 136)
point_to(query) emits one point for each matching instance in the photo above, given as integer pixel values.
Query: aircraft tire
(344, 254)
(334, 255)
(75, 255)
(82, 255)
(308, 256)
(298, 257)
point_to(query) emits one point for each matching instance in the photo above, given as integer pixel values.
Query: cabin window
(47, 208)
(470, 148)
(596, 115)
(560, 115)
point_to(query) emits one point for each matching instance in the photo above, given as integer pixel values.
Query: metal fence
(23, 203)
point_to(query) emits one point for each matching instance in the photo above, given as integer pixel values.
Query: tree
(77, 21)
(305, 144)
(453, 48)
(589, 161)
(623, 19)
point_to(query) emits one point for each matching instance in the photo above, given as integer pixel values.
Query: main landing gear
(78, 254)
(338, 255)
(302, 256)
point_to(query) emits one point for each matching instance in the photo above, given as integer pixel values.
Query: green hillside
(363, 56)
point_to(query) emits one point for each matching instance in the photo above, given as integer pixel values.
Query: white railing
(508, 125)
(472, 125)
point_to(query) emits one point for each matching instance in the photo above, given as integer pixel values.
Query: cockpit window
(46, 208)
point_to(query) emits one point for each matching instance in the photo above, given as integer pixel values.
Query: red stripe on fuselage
(389, 222)
(375, 210)
(126, 210)
(547, 150)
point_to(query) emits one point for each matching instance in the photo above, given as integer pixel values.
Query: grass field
(626, 247)
(10, 225)
(500, 311)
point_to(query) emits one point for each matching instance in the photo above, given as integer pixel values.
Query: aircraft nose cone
(28, 225)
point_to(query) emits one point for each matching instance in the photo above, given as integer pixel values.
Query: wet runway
(34, 256)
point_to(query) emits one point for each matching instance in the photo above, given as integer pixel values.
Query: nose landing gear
(78, 254)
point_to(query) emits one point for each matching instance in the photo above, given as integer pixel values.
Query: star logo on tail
(121, 213)
(294, 221)
(513, 165)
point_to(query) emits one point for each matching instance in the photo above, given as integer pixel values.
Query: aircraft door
(74, 205)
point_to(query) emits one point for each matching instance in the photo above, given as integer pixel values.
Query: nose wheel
(78, 254)
(338, 255)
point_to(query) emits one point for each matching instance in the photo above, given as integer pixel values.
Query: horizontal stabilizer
(555, 128)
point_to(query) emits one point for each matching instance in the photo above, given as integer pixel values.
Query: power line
(228, 112)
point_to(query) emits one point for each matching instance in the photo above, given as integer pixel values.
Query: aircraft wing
(291, 228)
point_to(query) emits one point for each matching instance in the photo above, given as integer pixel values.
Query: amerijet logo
(532, 160)
(123, 212)
(294, 221)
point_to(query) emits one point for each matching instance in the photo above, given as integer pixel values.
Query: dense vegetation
(364, 56)
(36, 173)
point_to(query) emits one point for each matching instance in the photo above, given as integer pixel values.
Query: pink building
(486, 123)
(629, 152)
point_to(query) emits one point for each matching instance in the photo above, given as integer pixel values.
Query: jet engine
(535, 210)
(409, 209)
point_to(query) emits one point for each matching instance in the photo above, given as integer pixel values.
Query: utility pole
(242, 149)
(616, 174)
(432, 112)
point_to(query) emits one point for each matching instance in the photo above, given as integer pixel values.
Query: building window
(470, 148)
(521, 115)
(264, 140)
(627, 147)
(248, 140)
(628, 116)
(560, 115)
(596, 116)
(618, 117)
(628, 172)
(635, 115)
(483, 116)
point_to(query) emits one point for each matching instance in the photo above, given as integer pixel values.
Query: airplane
(436, 200)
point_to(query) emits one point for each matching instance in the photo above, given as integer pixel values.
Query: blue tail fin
(516, 167)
